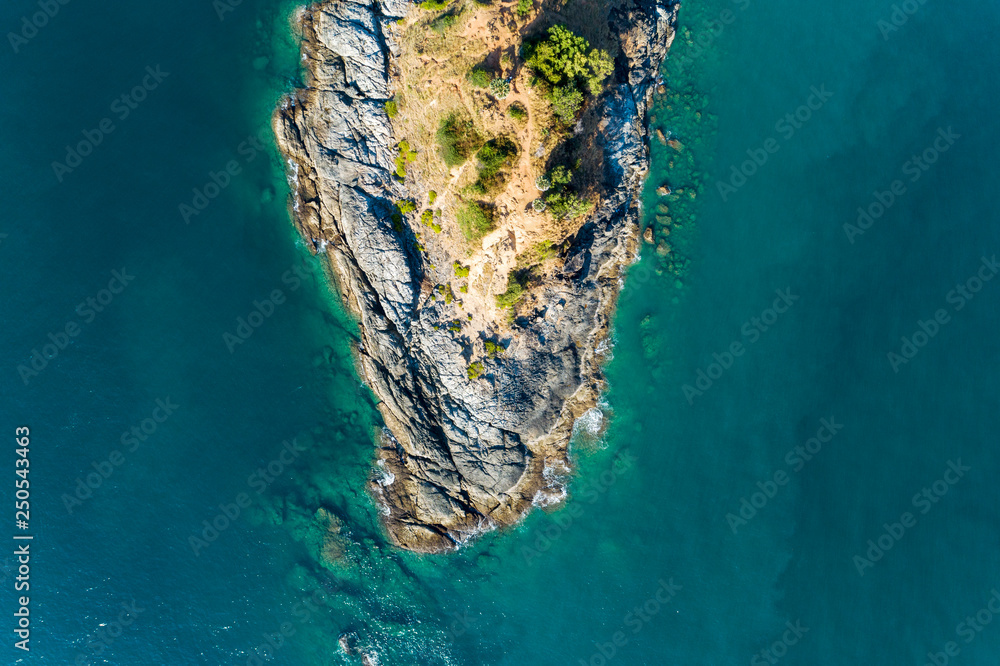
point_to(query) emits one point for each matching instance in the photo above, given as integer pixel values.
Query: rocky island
(472, 173)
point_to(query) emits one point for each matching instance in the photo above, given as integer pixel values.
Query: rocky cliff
(459, 456)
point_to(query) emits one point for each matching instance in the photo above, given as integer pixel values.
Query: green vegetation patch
(518, 112)
(392, 108)
(567, 63)
(517, 287)
(475, 370)
(479, 77)
(475, 220)
(458, 139)
(567, 205)
(442, 23)
(434, 5)
(405, 156)
(460, 270)
(494, 158)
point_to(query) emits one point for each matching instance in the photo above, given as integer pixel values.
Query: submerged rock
(459, 455)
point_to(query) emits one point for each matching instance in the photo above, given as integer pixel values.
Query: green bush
(427, 218)
(458, 139)
(493, 349)
(475, 220)
(460, 270)
(405, 206)
(566, 102)
(434, 5)
(539, 205)
(567, 205)
(479, 77)
(562, 58)
(524, 7)
(406, 155)
(432, 195)
(517, 283)
(537, 254)
(518, 112)
(445, 21)
(475, 370)
(494, 157)
(392, 108)
(560, 175)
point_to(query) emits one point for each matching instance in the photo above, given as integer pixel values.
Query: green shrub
(567, 205)
(539, 205)
(518, 112)
(562, 58)
(392, 108)
(479, 77)
(500, 88)
(434, 5)
(493, 349)
(446, 292)
(475, 370)
(517, 285)
(405, 206)
(406, 155)
(458, 139)
(537, 254)
(524, 7)
(427, 218)
(475, 220)
(543, 183)
(566, 102)
(460, 270)
(560, 175)
(441, 24)
(465, 289)
(432, 195)
(494, 157)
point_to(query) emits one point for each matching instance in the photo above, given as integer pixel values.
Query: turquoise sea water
(650, 561)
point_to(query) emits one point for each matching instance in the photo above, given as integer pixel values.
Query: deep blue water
(665, 518)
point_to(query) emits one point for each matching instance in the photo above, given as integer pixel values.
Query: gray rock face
(460, 456)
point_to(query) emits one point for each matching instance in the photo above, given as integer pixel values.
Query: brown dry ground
(430, 83)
